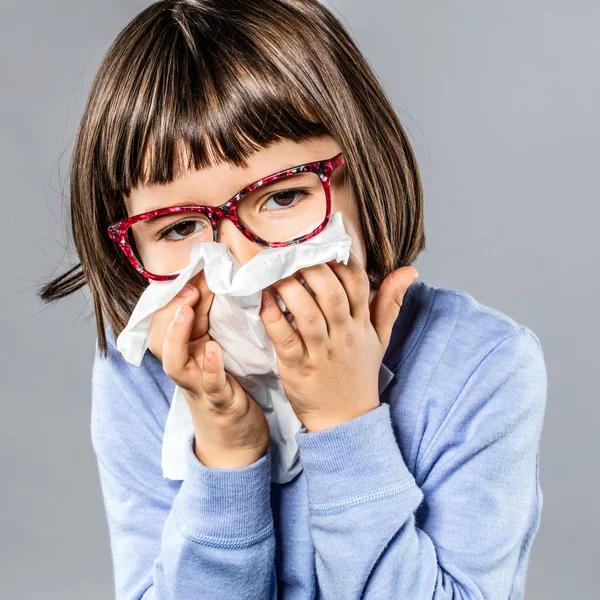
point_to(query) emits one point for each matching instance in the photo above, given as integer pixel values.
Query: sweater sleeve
(468, 526)
(210, 536)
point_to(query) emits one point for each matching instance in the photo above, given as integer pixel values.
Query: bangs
(179, 99)
(189, 84)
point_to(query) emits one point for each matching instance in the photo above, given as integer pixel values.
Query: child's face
(214, 185)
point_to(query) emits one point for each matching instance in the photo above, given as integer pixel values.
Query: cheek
(352, 227)
(358, 249)
(342, 200)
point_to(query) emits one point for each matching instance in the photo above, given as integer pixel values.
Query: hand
(231, 429)
(161, 319)
(329, 367)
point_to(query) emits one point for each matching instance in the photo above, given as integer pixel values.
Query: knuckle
(200, 328)
(209, 387)
(220, 405)
(285, 283)
(393, 276)
(337, 297)
(172, 371)
(214, 389)
(313, 317)
(305, 370)
(360, 276)
(162, 313)
(160, 324)
(349, 339)
(289, 341)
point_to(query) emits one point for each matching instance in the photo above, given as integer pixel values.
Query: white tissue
(235, 323)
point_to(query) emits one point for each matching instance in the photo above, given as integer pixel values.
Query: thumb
(386, 305)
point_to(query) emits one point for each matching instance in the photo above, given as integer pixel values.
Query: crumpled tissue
(235, 323)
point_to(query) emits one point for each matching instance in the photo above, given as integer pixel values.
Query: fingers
(288, 345)
(197, 296)
(175, 351)
(187, 295)
(308, 316)
(355, 282)
(162, 318)
(202, 306)
(205, 379)
(330, 295)
(215, 383)
(386, 305)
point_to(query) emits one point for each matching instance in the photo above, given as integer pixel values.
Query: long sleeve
(467, 528)
(210, 536)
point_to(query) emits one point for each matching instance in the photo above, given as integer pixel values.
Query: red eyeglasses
(145, 238)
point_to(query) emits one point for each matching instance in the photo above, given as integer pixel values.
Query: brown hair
(227, 78)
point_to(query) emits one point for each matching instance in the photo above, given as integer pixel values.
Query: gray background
(501, 102)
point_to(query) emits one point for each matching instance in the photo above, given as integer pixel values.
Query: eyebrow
(151, 220)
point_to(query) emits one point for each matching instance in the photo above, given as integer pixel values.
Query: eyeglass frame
(323, 168)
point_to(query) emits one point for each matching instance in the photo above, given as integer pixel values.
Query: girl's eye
(182, 228)
(284, 199)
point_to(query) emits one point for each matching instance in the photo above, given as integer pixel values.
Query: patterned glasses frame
(323, 168)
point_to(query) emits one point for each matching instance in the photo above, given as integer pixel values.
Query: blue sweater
(434, 494)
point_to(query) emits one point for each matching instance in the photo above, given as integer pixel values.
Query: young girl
(422, 408)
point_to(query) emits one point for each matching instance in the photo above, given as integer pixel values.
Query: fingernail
(179, 315)
(186, 291)
(208, 352)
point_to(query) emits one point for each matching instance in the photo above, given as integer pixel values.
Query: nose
(239, 245)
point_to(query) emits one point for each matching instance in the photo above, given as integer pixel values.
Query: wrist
(317, 423)
(227, 458)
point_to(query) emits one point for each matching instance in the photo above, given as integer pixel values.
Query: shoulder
(148, 379)
(458, 361)
(450, 327)
(127, 400)
(470, 336)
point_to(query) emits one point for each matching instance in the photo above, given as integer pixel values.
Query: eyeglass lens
(276, 212)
